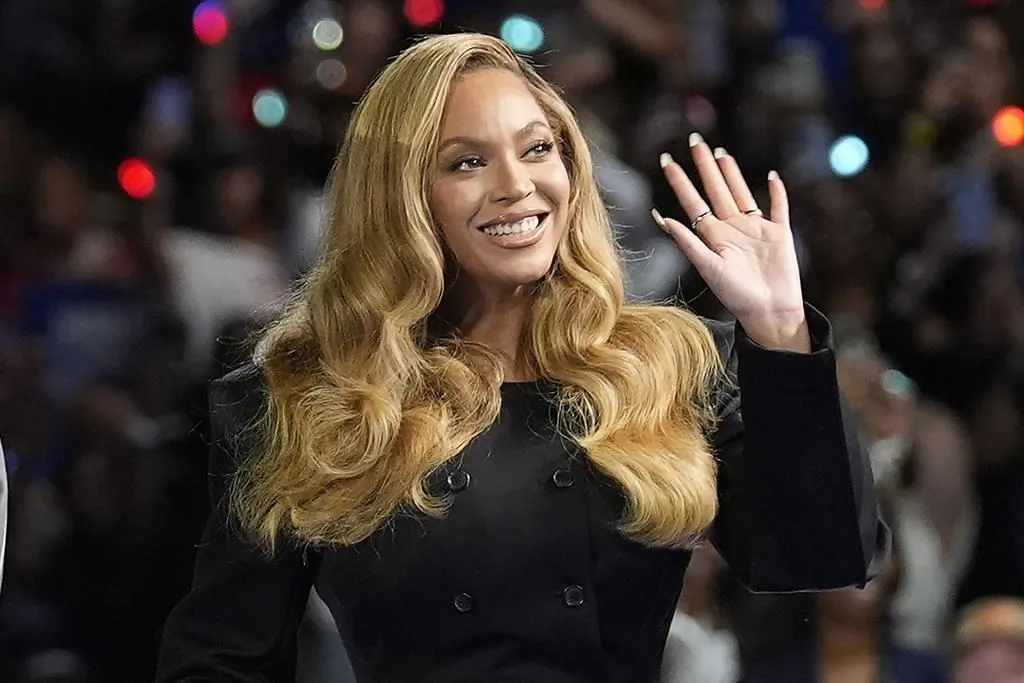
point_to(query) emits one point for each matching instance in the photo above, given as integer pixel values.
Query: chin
(518, 275)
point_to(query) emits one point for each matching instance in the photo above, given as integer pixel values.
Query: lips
(517, 234)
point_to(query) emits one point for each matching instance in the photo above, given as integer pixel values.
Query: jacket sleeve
(797, 506)
(239, 622)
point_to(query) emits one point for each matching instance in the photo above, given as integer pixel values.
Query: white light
(328, 34)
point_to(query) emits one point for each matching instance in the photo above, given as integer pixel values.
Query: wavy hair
(366, 399)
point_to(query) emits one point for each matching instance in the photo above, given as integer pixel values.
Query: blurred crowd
(125, 287)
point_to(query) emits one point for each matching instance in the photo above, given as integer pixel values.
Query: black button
(573, 596)
(463, 602)
(458, 480)
(562, 478)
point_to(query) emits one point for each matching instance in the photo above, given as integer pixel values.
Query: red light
(1008, 126)
(210, 23)
(137, 178)
(872, 5)
(423, 13)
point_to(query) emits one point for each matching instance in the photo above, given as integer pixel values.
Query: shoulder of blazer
(237, 401)
(724, 334)
(725, 392)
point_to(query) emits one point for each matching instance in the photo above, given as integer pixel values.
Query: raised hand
(747, 260)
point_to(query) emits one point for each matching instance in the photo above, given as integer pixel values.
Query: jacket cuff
(788, 369)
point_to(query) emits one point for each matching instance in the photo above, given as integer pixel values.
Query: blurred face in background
(882, 66)
(239, 194)
(991, 66)
(500, 191)
(62, 198)
(995, 661)
(370, 36)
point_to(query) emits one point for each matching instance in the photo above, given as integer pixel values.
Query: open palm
(747, 260)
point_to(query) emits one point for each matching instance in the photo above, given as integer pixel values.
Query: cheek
(556, 184)
(451, 208)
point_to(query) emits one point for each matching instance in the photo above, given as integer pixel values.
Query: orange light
(872, 5)
(1008, 126)
(137, 178)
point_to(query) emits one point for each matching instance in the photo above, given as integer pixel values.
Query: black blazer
(525, 579)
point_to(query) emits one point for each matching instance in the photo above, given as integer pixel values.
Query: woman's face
(500, 192)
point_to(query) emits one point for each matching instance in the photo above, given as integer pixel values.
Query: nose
(513, 182)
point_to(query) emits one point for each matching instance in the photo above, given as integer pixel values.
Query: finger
(703, 258)
(711, 177)
(738, 187)
(779, 199)
(689, 198)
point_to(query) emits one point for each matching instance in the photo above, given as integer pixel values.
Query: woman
(488, 464)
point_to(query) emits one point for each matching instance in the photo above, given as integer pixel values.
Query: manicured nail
(659, 219)
(773, 175)
(720, 152)
(695, 139)
(665, 159)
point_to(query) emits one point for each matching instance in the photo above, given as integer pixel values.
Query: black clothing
(526, 579)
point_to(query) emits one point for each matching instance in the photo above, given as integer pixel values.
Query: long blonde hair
(365, 401)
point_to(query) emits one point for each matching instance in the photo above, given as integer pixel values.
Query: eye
(467, 164)
(541, 149)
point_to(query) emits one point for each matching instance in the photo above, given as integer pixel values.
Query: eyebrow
(476, 142)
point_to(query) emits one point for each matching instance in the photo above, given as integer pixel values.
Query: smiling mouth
(523, 226)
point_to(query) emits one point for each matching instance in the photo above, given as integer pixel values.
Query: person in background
(701, 646)
(852, 642)
(989, 641)
(921, 456)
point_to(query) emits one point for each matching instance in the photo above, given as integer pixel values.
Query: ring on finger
(698, 219)
(753, 212)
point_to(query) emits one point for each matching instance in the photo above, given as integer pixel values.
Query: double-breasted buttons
(562, 478)
(458, 480)
(463, 602)
(573, 595)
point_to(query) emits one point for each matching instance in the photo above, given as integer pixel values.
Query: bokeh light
(848, 156)
(872, 5)
(701, 113)
(137, 179)
(1008, 126)
(522, 33)
(421, 13)
(331, 74)
(328, 34)
(269, 108)
(210, 23)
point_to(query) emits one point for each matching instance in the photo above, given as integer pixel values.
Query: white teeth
(528, 224)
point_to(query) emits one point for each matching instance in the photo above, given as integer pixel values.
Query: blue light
(522, 33)
(848, 156)
(269, 108)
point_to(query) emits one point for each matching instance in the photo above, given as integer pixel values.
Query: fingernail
(659, 219)
(665, 159)
(695, 139)
(720, 152)
(773, 175)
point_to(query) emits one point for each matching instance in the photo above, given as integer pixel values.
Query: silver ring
(698, 219)
(753, 212)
